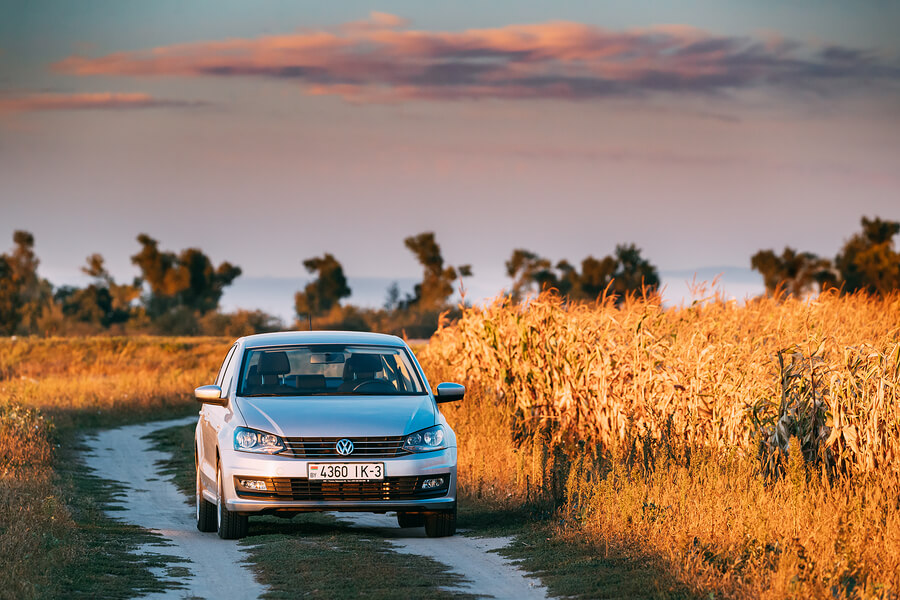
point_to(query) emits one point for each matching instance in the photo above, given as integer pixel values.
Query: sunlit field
(50, 390)
(744, 450)
(749, 451)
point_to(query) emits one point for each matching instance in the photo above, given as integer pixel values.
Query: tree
(186, 281)
(868, 260)
(623, 273)
(326, 290)
(23, 294)
(527, 270)
(596, 275)
(797, 273)
(633, 272)
(437, 280)
(103, 302)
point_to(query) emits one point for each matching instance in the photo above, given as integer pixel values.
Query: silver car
(318, 420)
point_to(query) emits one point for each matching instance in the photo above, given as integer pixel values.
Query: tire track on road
(217, 568)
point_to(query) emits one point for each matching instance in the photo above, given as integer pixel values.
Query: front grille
(391, 488)
(365, 447)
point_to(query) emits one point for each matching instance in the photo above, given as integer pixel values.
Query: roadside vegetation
(55, 540)
(745, 451)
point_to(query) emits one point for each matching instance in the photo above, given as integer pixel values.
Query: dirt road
(216, 566)
(488, 573)
(154, 503)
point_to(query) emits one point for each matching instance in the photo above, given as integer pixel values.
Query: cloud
(91, 101)
(382, 60)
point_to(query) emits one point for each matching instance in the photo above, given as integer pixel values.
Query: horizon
(275, 295)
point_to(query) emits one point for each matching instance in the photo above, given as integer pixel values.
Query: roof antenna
(309, 320)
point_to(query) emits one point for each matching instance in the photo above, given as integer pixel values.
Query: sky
(266, 133)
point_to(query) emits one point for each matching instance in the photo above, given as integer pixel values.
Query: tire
(441, 524)
(410, 520)
(206, 510)
(231, 526)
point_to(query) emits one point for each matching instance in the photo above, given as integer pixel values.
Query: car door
(211, 420)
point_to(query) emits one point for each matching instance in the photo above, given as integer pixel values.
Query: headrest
(274, 363)
(363, 363)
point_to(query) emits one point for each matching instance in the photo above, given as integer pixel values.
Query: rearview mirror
(210, 394)
(449, 392)
(326, 358)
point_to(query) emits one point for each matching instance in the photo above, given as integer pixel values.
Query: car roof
(285, 338)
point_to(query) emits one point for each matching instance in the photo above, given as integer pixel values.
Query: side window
(229, 373)
(225, 362)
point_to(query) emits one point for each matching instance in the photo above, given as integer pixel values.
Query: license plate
(347, 471)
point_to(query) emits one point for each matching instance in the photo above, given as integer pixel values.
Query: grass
(568, 564)
(55, 539)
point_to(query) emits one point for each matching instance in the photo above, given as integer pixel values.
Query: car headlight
(251, 440)
(426, 440)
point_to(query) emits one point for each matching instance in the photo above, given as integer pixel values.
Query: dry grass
(48, 385)
(71, 379)
(751, 451)
(33, 519)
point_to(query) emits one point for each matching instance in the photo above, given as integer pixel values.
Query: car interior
(279, 372)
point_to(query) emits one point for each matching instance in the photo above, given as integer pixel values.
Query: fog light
(430, 484)
(253, 484)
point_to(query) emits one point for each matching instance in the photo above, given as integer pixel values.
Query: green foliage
(23, 294)
(437, 280)
(527, 270)
(186, 281)
(104, 302)
(625, 272)
(868, 261)
(796, 273)
(326, 290)
(238, 323)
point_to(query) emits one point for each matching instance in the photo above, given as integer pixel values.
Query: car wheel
(206, 510)
(410, 519)
(441, 524)
(231, 526)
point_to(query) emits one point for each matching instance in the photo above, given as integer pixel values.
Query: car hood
(338, 416)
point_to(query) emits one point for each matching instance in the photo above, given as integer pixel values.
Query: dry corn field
(748, 450)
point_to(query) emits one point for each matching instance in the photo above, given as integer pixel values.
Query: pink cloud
(380, 60)
(103, 100)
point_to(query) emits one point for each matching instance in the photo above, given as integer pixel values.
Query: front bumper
(283, 469)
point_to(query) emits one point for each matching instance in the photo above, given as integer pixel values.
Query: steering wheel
(375, 385)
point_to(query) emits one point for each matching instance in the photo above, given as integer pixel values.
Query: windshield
(332, 369)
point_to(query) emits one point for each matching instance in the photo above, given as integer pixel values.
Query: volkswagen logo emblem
(344, 447)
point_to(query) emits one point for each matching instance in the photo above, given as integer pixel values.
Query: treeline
(175, 294)
(867, 262)
(416, 315)
(178, 293)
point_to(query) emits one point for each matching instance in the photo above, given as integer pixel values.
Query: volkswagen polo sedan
(324, 421)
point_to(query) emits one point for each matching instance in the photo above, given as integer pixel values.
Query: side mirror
(449, 392)
(210, 394)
